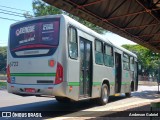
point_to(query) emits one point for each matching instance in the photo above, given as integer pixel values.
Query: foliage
(147, 58)
(3, 84)
(27, 15)
(3, 58)
(40, 8)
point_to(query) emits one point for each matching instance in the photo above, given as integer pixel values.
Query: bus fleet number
(13, 64)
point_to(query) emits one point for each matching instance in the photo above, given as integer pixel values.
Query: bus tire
(62, 99)
(104, 95)
(128, 94)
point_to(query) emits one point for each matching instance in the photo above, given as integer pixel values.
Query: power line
(11, 14)
(14, 8)
(11, 11)
(3, 11)
(14, 13)
(8, 19)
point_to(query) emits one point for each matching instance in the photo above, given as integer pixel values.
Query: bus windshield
(34, 38)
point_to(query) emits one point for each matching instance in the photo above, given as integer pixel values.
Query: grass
(3, 84)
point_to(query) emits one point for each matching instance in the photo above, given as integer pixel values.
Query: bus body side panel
(100, 74)
(126, 79)
(62, 59)
(96, 84)
(72, 90)
(73, 79)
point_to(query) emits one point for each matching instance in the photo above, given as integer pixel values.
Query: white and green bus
(57, 56)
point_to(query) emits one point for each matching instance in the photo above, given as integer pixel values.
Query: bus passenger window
(98, 52)
(126, 62)
(108, 56)
(132, 63)
(73, 46)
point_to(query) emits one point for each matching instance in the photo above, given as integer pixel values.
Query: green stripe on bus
(112, 83)
(73, 83)
(125, 83)
(96, 83)
(33, 74)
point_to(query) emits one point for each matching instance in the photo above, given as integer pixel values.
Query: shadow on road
(56, 108)
(59, 109)
(146, 94)
(136, 113)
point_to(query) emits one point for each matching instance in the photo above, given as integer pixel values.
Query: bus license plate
(30, 90)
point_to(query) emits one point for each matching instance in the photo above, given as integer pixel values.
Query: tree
(147, 58)
(3, 58)
(140, 52)
(41, 8)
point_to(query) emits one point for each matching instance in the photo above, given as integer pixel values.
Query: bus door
(118, 73)
(85, 67)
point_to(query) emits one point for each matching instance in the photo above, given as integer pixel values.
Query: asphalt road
(10, 102)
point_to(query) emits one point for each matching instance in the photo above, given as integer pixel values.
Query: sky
(26, 5)
(5, 24)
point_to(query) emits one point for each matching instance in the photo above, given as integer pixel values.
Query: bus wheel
(128, 94)
(104, 95)
(62, 99)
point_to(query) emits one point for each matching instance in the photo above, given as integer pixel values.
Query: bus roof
(97, 35)
(86, 29)
(126, 51)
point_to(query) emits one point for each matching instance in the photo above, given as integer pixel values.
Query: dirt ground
(148, 83)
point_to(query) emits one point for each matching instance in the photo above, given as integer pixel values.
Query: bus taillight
(59, 74)
(8, 74)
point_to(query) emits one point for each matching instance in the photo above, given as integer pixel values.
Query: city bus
(57, 56)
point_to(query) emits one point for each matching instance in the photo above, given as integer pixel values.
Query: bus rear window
(35, 38)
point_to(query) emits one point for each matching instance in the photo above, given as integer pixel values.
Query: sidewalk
(147, 83)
